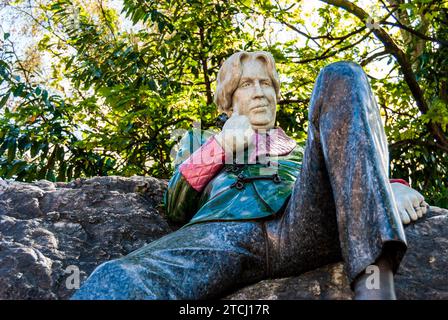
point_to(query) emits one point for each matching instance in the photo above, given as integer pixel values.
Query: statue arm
(181, 200)
(192, 173)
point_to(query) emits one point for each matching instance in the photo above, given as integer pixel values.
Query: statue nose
(258, 90)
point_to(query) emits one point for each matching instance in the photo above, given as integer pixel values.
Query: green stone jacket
(206, 187)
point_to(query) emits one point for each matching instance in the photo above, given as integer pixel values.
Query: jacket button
(276, 178)
(239, 185)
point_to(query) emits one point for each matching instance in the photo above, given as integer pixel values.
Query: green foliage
(148, 83)
(416, 154)
(36, 136)
(131, 88)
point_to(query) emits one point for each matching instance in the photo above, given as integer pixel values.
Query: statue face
(255, 96)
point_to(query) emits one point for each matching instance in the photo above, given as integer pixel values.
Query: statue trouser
(341, 208)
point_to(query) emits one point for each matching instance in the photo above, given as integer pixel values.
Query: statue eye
(245, 84)
(266, 83)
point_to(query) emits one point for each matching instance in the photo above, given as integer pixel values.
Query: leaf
(44, 147)
(17, 167)
(24, 143)
(60, 154)
(45, 95)
(35, 149)
(4, 100)
(18, 91)
(69, 63)
(50, 176)
(12, 147)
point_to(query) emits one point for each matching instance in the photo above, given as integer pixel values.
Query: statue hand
(411, 204)
(236, 134)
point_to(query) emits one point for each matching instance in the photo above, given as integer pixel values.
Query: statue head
(248, 83)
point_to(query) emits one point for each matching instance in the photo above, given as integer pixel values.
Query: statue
(258, 207)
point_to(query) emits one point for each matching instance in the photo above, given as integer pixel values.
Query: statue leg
(341, 206)
(201, 261)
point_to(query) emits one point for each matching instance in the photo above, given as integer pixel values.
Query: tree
(129, 88)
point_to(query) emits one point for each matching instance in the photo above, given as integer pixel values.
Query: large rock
(48, 228)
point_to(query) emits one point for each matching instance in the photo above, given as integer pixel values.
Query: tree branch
(289, 101)
(203, 60)
(326, 55)
(416, 33)
(373, 57)
(106, 19)
(401, 143)
(401, 58)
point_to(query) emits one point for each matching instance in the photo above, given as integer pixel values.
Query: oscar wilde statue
(256, 206)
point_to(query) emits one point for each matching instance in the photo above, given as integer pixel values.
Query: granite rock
(47, 229)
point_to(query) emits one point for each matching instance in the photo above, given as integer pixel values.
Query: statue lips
(259, 108)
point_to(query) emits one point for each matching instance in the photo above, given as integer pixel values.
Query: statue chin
(262, 118)
(261, 123)
(266, 126)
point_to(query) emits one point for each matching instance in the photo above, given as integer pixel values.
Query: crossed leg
(341, 205)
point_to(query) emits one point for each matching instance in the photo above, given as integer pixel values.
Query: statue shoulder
(296, 154)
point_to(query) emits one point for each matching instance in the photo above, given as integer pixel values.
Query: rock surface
(47, 229)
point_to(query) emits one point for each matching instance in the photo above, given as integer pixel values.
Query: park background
(97, 87)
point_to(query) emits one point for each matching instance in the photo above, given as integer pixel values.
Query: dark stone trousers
(341, 208)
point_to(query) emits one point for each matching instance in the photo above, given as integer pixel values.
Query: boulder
(49, 231)
(47, 228)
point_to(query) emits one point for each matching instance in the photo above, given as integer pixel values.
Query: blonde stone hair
(230, 74)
